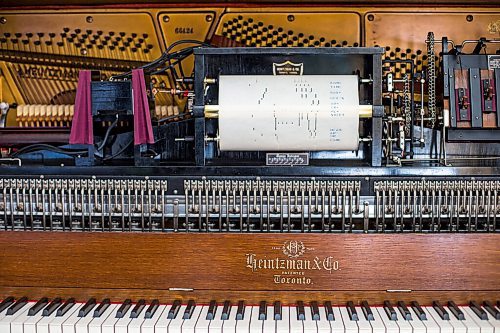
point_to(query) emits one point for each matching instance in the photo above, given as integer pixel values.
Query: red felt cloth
(143, 130)
(81, 128)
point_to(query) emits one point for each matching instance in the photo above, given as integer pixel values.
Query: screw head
(3, 20)
(209, 18)
(290, 18)
(166, 18)
(89, 19)
(469, 18)
(370, 17)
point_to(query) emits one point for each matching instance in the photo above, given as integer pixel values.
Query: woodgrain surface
(215, 265)
(250, 297)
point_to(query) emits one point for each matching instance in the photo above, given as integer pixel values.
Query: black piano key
(42, 302)
(277, 310)
(6, 303)
(56, 302)
(329, 311)
(65, 307)
(212, 309)
(139, 306)
(315, 310)
(240, 312)
(389, 310)
(226, 310)
(262, 310)
(455, 310)
(189, 310)
(172, 313)
(18, 305)
(301, 312)
(490, 308)
(353, 314)
(103, 306)
(476, 308)
(418, 310)
(367, 311)
(404, 310)
(122, 310)
(87, 307)
(155, 304)
(440, 310)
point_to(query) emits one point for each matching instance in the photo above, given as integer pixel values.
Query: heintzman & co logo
(294, 267)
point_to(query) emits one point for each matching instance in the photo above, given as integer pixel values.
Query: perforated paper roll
(288, 113)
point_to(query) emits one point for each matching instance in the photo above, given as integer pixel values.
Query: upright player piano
(250, 167)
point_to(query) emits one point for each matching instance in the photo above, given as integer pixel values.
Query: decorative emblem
(494, 27)
(288, 68)
(293, 249)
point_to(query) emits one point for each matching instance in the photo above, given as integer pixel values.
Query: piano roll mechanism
(250, 167)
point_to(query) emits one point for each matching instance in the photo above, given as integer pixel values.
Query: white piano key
(95, 326)
(323, 325)
(296, 325)
(82, 325)
(256, 324)
(430, 324)
(363, 324)
(217, 322)
(309, 323)
(350, 325)
(56, 325)
(230, 323)
(69, 325)
(5, 321)
(391, 326)
(270, 323)
(377, 323)
(458, 325)
(190, 324)
(163, 321)
(416, 323)
(176, 323)
(283, 325)
(404, 325)
(121, 326)
(42, 326)
(243, 326)
(337, 325)
(148, 326)
(484, 325)
(108, 326)
(29, 326)
(493, 322)
(17, 325)
(444, 325)
(136, 323)
(203, 324)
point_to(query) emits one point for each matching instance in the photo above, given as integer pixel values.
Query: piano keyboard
(58, 316)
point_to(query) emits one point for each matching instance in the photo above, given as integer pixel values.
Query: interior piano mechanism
(170, 166)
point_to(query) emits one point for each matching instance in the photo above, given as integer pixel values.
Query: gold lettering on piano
(294, 267)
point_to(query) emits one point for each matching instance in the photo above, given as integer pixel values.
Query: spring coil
(406, 104)
(431, 76)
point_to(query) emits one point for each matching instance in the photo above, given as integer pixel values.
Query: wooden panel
(418, 262)
(250, 297)
(231, 2)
